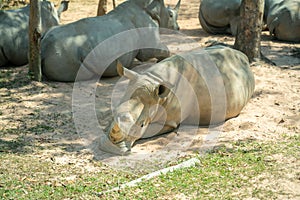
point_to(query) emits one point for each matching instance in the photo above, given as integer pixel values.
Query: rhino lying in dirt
(219, 16)
(14, 31)
(283, 19)
(65, 48)
(202, 87)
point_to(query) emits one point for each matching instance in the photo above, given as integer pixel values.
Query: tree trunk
(102, 7)
(249, 30)
(35, 71)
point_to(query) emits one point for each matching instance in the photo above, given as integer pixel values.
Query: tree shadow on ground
(13, 77)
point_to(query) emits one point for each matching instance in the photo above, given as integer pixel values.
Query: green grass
(246, 170)
(27, 177)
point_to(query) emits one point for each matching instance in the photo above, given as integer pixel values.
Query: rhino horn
(122, 71)
(177, 6)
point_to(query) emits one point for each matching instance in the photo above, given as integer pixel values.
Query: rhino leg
(159, 54)
(3, 58)
(107, 146)
(234, 26)
(155, 129)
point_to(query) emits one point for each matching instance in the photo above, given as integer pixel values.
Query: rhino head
(165, 16)
(50, 16)
(145, 95)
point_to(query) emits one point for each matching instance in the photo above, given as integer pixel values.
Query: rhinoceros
(201, 87)
(219, 16)
(14, 31)
(283, 19)
(65, 48)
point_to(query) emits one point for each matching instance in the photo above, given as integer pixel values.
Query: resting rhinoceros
(65, 48)
(201, 87)
(219, 16)
(283, 19)
(14, 31)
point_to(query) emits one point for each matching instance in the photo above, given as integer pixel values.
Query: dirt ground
(42, 115)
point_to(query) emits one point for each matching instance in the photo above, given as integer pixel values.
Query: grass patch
(244, 171)
(27, 177)
(40, 128)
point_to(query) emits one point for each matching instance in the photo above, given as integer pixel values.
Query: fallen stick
(189, 163)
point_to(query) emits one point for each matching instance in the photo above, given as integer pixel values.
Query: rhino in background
(219, 16)
(65, 48)
(283, 19)
(14, 42)
(201, 87)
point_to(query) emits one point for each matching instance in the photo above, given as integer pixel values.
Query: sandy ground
(273, 110)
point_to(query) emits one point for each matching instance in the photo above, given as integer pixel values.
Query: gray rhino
(283, 19)
(219, 16)
(65, 48)
(14, 31)
(201, 87)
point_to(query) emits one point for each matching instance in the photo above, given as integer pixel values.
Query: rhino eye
(171, 14)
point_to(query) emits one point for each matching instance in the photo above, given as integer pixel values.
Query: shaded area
(11, 77)
(18, 145)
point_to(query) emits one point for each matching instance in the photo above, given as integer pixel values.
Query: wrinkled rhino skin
(65, 48)
(283, 19)
(14, 31)
(216, 74)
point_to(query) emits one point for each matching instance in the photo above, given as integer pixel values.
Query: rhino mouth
(124, 146)
(120, 148)
(116, 141)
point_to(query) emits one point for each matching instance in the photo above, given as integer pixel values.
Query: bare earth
(42, 112)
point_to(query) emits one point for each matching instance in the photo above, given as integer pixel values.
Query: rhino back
(64, 48)
(14, 36)
(237, 76)
(234, 76)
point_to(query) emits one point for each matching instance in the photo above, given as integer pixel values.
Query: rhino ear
(164, 89)
(64, 5)
(154, 9)
(177, 6)
(122, 71)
